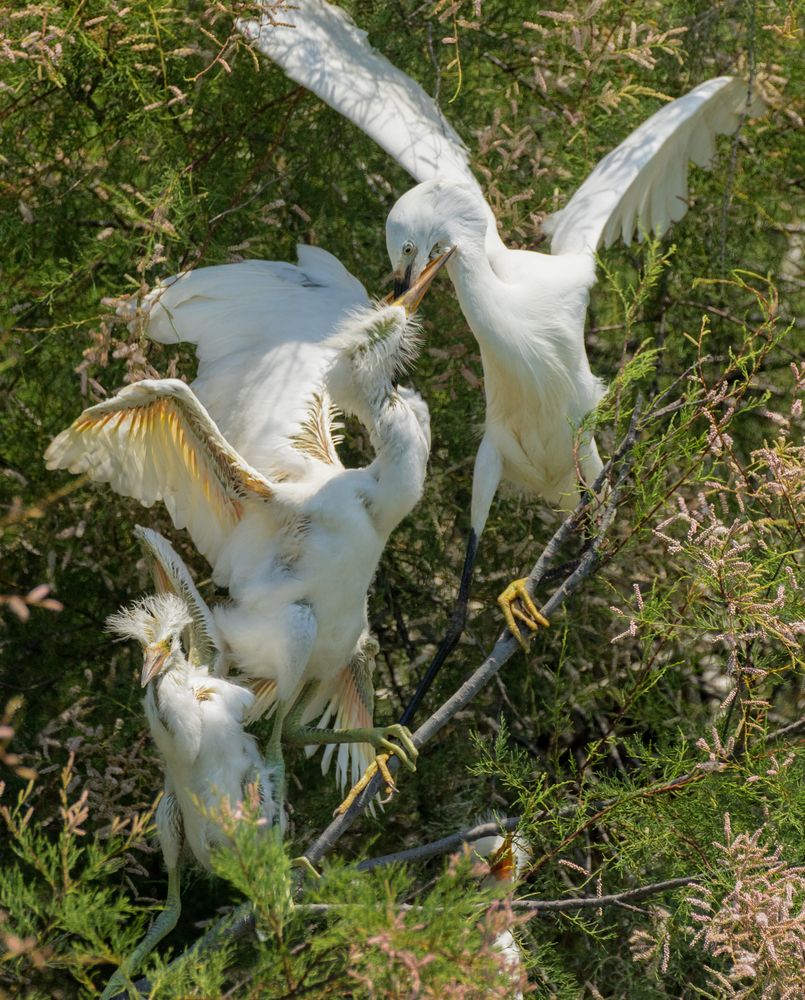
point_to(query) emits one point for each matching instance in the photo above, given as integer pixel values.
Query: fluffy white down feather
(196, 721)
(293, 535)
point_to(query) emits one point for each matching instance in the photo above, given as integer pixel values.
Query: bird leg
(380, 763)
(275, 761)
(528, 614)
(160, 928)
(454, 632)
(380, 737)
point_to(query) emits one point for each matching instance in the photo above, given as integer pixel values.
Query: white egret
(297, 542)
(196, 720)
(526, 309)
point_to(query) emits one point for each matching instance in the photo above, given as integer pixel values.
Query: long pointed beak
(411, 298)
(155, 657)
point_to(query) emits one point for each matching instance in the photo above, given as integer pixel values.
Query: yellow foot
(380, 763)
(306, 865)
(530, 617)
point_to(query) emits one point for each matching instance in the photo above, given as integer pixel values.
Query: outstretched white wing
(155, 441)
(326, 53)
(261, 331)
(171, 575)
(643, 184)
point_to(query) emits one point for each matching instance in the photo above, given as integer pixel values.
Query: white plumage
(526, 309)
(294, 536)
(196, 720)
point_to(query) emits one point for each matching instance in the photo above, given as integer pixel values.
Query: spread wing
(326, 53)
(261, 330)
(155, 441)
(643, 184)
(171, 575)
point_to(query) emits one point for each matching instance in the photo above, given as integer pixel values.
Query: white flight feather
(261, 331)
(643, 183)
(155, 441)
(325, 52)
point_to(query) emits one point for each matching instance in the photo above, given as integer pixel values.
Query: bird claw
(379, 764)
(407, 755)
(306, 865)
(530, 617)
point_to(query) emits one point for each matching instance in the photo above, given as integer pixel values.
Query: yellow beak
(411, 298)
(155, 657)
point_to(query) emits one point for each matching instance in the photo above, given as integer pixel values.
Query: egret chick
(297, 544)
(507, 859)
(196, 721)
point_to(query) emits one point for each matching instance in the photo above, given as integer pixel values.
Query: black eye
(408, 248)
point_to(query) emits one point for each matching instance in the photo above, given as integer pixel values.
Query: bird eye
(436, 251)
(408, 248)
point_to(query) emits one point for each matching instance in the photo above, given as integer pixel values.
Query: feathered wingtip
(171, 575)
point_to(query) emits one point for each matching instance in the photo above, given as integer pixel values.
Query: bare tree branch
(548, 905)
(507, 645)
(443, 846)
(595, 902)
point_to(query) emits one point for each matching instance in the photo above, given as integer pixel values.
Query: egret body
(296, 541)
(196, 720)
(526, 309)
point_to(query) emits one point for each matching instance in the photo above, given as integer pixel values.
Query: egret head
(157, 623)
(426, 221)
(506, 857)
(376, 345)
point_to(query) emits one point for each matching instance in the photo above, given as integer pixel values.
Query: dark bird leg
(455, 629)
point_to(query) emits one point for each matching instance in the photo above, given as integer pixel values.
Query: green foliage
(138, 139)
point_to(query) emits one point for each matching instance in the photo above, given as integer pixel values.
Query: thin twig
(595, 902)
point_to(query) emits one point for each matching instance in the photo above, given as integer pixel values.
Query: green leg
(160, 928)
(275, 759)
(379, 737)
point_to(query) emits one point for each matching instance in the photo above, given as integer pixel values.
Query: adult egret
(294, 537)
(526, 309)
(196, 720)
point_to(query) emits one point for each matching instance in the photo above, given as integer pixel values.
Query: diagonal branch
(507, 645)
(595, 902)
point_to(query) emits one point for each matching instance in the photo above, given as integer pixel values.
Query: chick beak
(155, 657)
(409, 296)
(501, 863)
